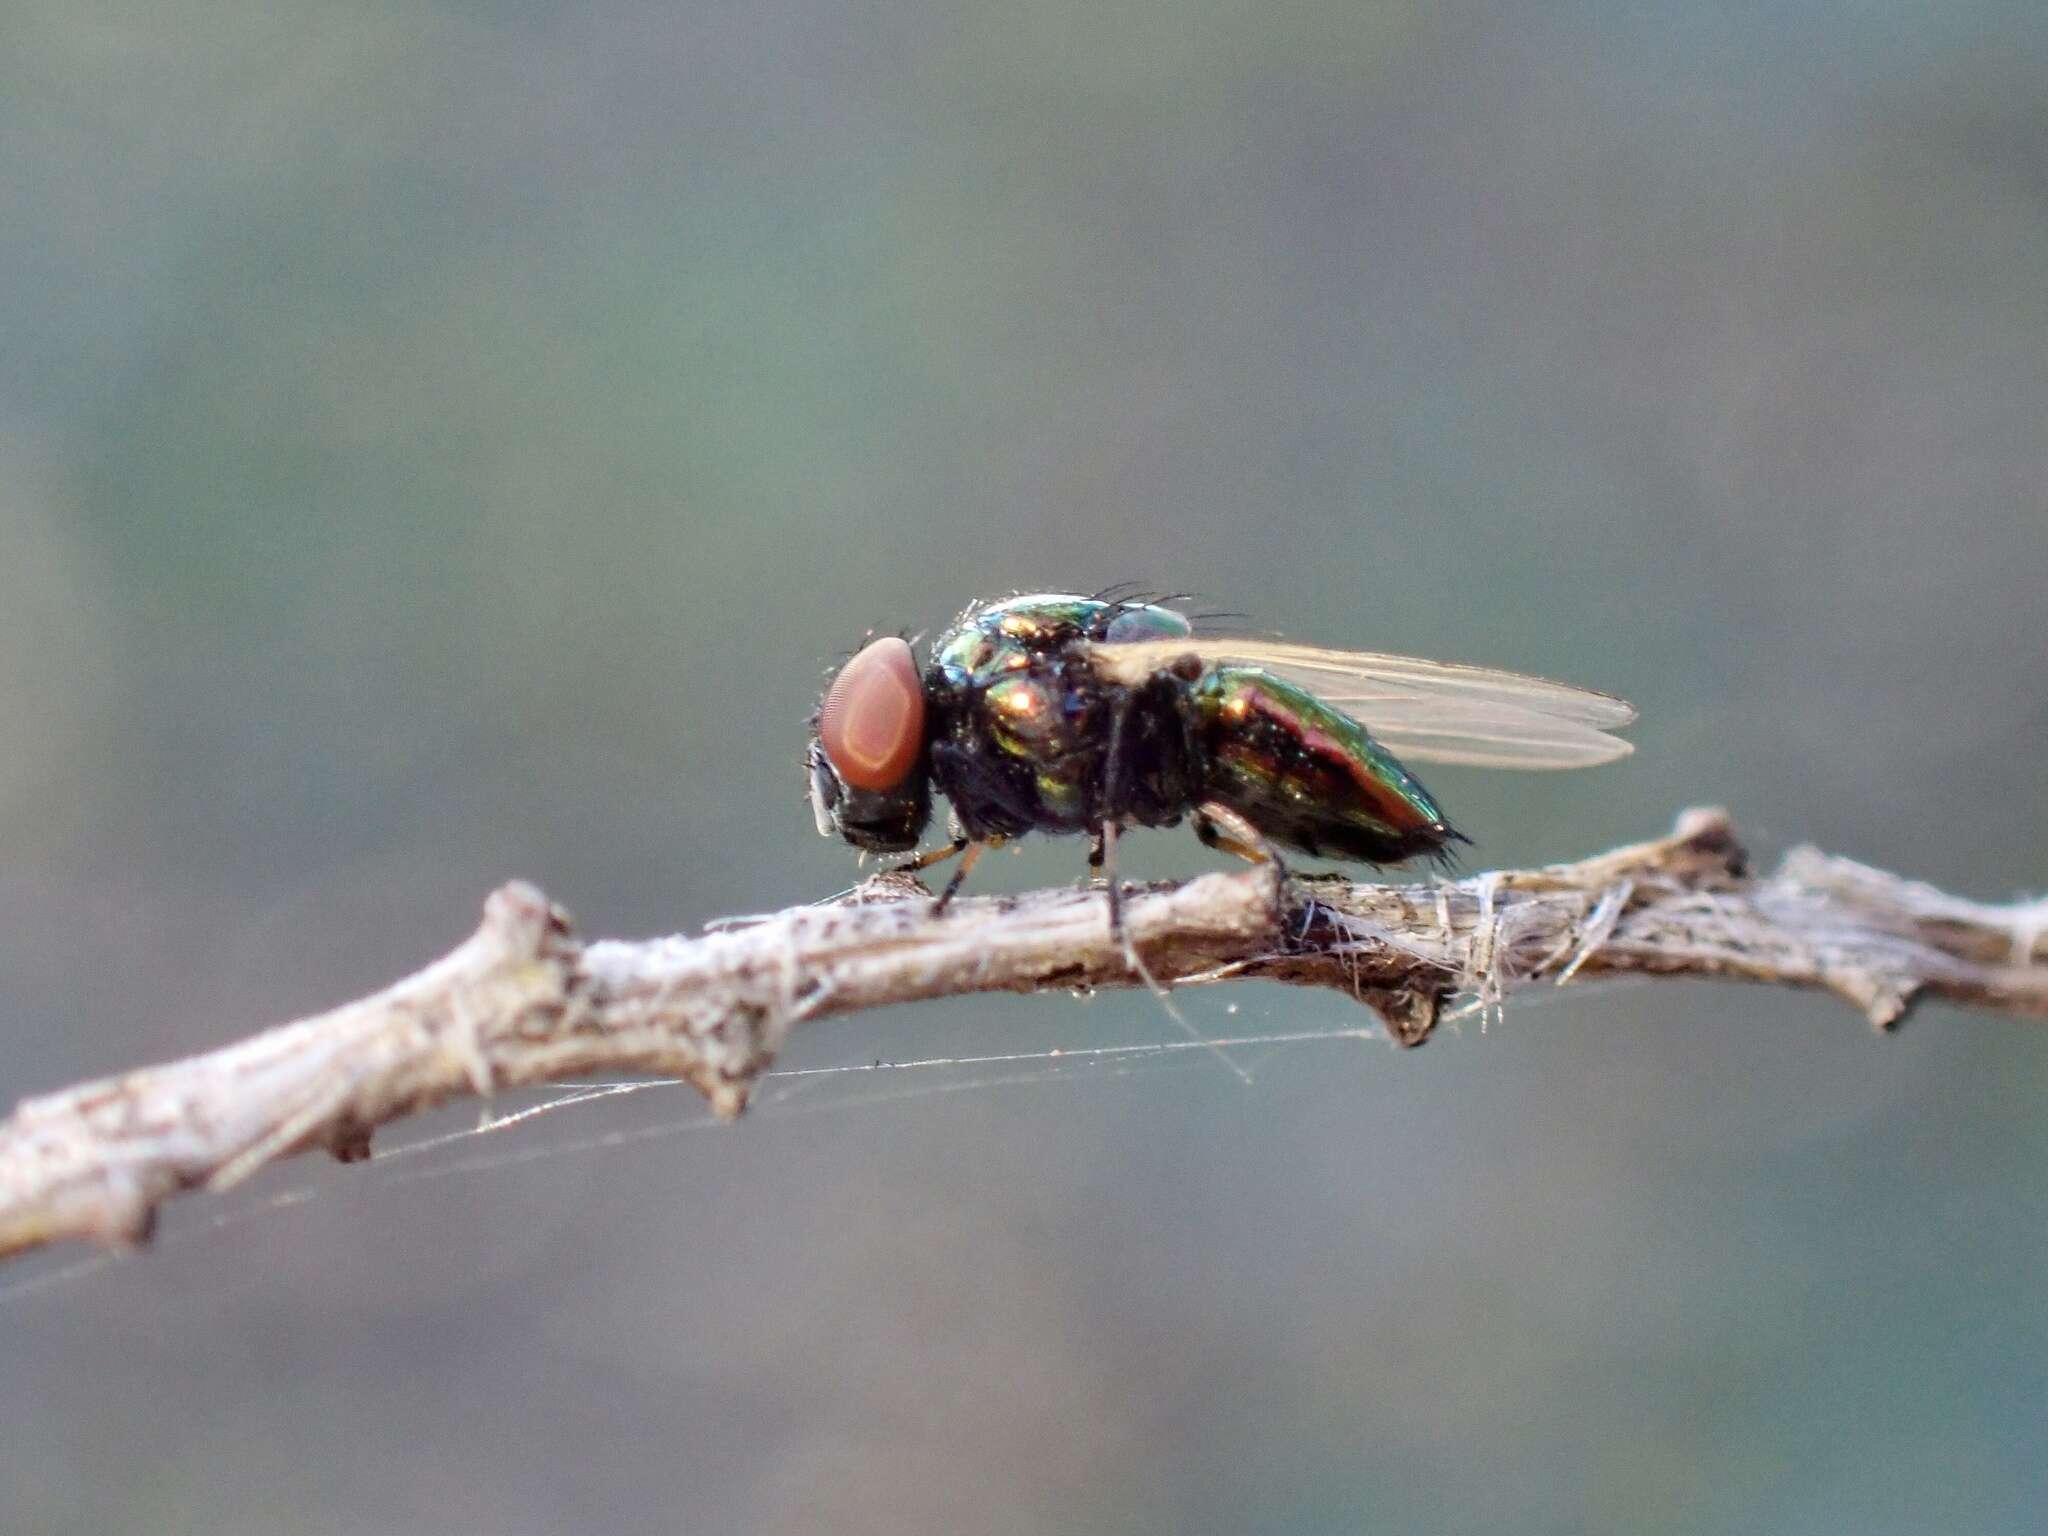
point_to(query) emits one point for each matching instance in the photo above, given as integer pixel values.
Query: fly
(1066, 714)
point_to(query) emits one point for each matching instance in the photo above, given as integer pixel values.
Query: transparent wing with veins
(1420, 710)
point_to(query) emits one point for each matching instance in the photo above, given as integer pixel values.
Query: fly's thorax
(1305, 774)
(1018, 744)
(1040, 712)
(1023, 718)
(1016, 672)
(1042, 623)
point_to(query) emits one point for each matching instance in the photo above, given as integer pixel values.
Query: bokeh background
(445, 442)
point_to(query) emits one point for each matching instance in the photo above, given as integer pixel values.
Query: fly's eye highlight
(872, 725)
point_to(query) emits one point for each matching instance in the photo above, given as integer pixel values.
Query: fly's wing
(1426, 711)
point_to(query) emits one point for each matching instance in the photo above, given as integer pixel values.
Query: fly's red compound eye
(872, 725)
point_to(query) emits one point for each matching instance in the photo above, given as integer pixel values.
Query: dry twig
(522, 1001)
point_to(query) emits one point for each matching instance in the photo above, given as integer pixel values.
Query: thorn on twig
(126, 1218)
(1410, 1014)
(1887, 1001)
(349, 1142)
(525, 921)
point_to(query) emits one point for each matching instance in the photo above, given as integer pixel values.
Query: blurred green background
(445, 442)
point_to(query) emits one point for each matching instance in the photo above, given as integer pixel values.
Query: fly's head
(869, 758)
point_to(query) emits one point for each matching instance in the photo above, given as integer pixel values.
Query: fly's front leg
(956, 844)
(962, 847)
(931, 856)
(970, 856)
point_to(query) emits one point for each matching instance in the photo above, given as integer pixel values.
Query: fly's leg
(912, 865)
(963, 847)
(931, 856)
(1218, 826)
(1112, 787)
(1102, 850)
(1105, 846)
(1117, 930)
(970, 855)
(968, 850)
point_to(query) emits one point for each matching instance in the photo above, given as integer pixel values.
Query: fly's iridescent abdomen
(1306, 775)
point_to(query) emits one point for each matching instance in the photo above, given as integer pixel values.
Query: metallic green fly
(1059, 713)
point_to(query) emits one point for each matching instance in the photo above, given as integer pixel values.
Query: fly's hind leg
(1218, 826)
